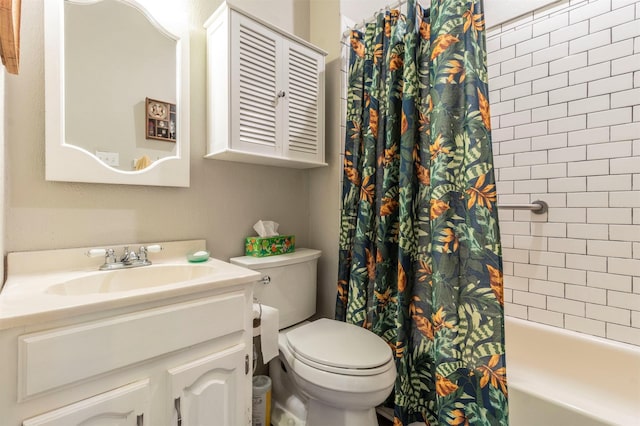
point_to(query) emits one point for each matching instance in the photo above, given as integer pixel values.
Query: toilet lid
(338, 344)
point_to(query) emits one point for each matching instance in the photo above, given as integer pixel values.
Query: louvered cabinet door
(304, 125)
(254, 90)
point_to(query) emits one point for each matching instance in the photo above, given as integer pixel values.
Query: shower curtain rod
(373, 17)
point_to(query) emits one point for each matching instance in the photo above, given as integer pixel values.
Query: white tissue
(269, 320)
(266, 228)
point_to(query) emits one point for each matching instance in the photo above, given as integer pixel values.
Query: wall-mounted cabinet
(265, 93)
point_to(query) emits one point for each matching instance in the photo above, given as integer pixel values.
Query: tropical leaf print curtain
(420, 256)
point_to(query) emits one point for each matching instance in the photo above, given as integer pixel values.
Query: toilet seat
(340, 348)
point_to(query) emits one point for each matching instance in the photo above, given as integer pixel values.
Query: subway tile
(589, 10)
(626, 31)
(610, 85)
(567, 306)
(552, 82)
(609, 281)
(588, 199)
(530, 158)
(549, 112)
(609, 117)
(515, 91)
(609, 150)
(623, 65)
(529, 186)
(501, 108)
(515, 228)
(550, 24)
(626, 98)
(515, 255)
(558, 140)
(499, 135)
(517, 145)
(493, 71)
(624, 300)
(635, 319)
(611, 19)
(615, 4)
(516, 283)
(518, 63)
(517, 311)
(588, 168)
(530, 243)
(576, 184)
(493, 44)
(623, 334)
(590, 73)
(609, 314)
(517, 36)
(532, 73)
(502, 161)
(609, 215)
(566, 155)
(504, 54)
(611, 51)
(515, 173)
(517, 118)
(609, 183)
(568, 215)
(594, 103)
(570, 32)
(533, 101)
(587, 263)
(530, 130)
(545, 317)
(549, 171)
(624, 266)
(570, 93)
(588, 231)
(502, 81)
(556, 51)
(568, 63)
(532, 45)
(546, 258)
(625, 132)
(624, 232)
(571, 276)
(568, 245)
(569, 124)
(609, 248)
(549, 229)
(530, 271)
(625, 165)
(585, 325)
(584, 137)
(504, 187)
(590, 41)
(508, 295)
(586, 294)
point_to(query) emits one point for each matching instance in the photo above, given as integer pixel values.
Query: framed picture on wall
(161, 120)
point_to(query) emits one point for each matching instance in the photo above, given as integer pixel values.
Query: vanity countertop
(26, 297)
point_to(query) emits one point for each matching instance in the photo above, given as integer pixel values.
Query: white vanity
(166, 344)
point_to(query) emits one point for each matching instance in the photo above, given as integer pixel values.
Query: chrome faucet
(129, 259)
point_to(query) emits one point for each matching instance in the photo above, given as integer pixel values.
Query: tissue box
(269, 246)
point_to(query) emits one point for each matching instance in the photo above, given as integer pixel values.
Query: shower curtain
(420, 255)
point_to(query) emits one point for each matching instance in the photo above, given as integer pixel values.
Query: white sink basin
(131, 279)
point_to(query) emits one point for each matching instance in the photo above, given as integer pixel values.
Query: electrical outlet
(109, 158)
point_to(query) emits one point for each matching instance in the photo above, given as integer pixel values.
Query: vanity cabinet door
(214, 390)
(124, 406)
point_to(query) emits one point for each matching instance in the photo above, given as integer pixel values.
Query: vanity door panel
(124, 406)
(214, 390)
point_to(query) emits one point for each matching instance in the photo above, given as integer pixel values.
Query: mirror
(116, 92)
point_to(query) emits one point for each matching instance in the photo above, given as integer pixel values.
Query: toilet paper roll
(269, 320)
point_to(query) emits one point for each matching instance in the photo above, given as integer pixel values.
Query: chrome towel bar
(537, 207)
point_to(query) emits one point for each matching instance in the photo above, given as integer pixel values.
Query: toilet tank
(288, 283)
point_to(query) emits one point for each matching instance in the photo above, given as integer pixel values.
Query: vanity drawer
(54, 358)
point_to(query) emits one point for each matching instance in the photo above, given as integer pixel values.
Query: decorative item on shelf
(161, 120)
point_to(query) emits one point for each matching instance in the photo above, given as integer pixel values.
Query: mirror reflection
(120, 95)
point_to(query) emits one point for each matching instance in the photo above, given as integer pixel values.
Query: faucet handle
(109, 254)
(96, 252)
(155, 248)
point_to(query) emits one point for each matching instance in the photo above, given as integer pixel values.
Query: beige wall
(2, 170)
(224, 200)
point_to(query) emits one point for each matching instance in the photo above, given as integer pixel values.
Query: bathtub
(558, 377)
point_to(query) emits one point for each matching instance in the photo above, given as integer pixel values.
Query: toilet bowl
(328, 372)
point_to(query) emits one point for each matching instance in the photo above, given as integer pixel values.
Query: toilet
(328, 372)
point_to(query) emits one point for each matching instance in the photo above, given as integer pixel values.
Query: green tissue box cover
(269, 246)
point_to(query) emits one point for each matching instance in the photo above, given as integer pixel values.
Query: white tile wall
(565, 101)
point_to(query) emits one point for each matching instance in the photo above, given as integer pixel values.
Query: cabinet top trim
(226, 7)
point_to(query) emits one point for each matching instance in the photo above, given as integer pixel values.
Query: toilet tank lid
(298, 256)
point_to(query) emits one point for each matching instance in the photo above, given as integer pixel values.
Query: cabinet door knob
(176, 403)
